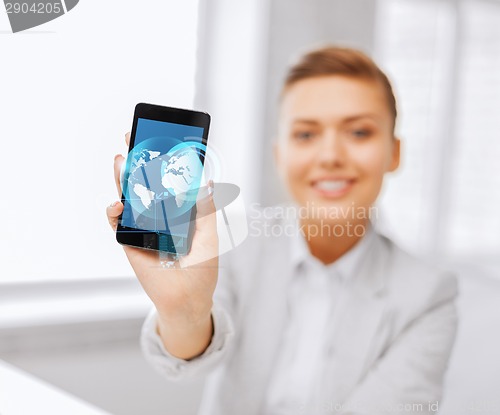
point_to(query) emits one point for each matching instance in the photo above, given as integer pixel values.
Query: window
(444, 59)
(68, 90)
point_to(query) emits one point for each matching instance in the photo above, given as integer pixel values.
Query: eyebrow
(344, 120)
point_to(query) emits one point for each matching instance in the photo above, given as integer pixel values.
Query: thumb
(205, 245)
(205, 208)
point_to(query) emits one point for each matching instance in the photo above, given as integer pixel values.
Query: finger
(113, 212)
(205, 245)
(127, 139)
(119, 159)
(205, 209)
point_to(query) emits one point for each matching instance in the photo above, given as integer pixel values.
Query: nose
(331, 151)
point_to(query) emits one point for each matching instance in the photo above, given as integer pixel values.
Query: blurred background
(70, 307)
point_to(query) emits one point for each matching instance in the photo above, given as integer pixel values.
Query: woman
(329, 318)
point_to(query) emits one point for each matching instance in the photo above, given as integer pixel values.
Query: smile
(333, 188)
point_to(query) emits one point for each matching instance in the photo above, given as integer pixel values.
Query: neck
(328, 241)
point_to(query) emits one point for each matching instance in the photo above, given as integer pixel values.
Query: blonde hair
(348, 62)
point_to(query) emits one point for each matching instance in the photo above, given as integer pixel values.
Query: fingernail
(118, 155)
(113, 204)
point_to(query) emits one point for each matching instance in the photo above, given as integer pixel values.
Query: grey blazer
(391, 336)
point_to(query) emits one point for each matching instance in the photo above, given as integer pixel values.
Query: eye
(361, 132)
(303, 135)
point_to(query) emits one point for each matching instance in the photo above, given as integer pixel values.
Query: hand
(182, 294)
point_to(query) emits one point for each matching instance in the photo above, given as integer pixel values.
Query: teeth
(331, 184)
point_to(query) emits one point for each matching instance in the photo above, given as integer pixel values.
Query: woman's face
(335, 142)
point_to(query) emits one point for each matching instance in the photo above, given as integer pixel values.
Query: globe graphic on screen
(140, 177)
(163, 186)
(181, 173)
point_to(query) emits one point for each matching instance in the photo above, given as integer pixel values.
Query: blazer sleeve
(409, 376)
(223, 310)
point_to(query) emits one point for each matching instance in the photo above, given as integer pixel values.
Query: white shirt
(298, 381)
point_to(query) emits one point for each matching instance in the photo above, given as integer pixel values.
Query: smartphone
(161, 178)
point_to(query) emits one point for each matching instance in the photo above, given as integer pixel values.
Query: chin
(345, 209)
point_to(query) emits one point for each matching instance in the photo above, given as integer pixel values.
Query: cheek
(294, 172)
(373, 161)
(296, 164)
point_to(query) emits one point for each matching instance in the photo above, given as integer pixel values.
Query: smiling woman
(322, 317)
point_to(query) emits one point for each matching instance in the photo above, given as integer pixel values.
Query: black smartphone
(161, 178)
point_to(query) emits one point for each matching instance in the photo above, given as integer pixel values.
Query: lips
(333, 187)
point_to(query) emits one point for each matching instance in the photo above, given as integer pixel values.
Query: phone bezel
(141, 238)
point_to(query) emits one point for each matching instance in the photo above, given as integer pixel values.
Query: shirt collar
(345, 266)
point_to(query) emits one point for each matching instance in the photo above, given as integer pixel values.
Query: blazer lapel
(356, 322)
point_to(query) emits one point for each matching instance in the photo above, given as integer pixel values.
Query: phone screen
(162, 176)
